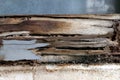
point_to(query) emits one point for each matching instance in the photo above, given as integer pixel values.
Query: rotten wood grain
(62, 26)
(54, 51)
(67, 34)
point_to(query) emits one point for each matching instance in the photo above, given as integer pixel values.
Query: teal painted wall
(8, 7)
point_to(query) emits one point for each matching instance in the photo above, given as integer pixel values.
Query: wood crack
(66, 36)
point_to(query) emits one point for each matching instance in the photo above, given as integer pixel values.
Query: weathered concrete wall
(63, 72)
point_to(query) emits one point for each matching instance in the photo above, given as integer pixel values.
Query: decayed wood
(52, 38)
(118, 34)
(11, 20)
(14, 33)
(54, 51)
(66, 34)
(62, 26)
(81, 47)
(97, 42)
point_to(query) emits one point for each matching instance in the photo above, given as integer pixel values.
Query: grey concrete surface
(63, 72)
(11, 7)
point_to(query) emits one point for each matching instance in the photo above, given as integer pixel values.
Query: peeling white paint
(18, 49)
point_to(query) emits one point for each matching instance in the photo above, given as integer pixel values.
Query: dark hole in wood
(82, 48)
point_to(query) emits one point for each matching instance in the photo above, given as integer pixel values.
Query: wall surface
(63, 72)
(9, 7)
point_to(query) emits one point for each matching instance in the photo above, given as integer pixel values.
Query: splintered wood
(66, 34)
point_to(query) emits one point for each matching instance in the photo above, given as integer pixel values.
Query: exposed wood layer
(67, 35)
(53, 51)
(62, 26)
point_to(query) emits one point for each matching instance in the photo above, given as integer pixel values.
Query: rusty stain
(39, 26)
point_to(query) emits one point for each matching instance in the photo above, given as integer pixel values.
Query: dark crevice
(92, 59)
(42, 48)
(81, 48)
(115, 30)
(114, 49)
(115, 37)
(50, 35)
(28, 17)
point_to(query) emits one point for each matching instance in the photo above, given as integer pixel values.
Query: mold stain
(19, 50)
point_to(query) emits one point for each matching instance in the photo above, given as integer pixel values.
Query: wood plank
(64, 32)
(50, 38)
(62, 26)
(97, 42)
(54, 51)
